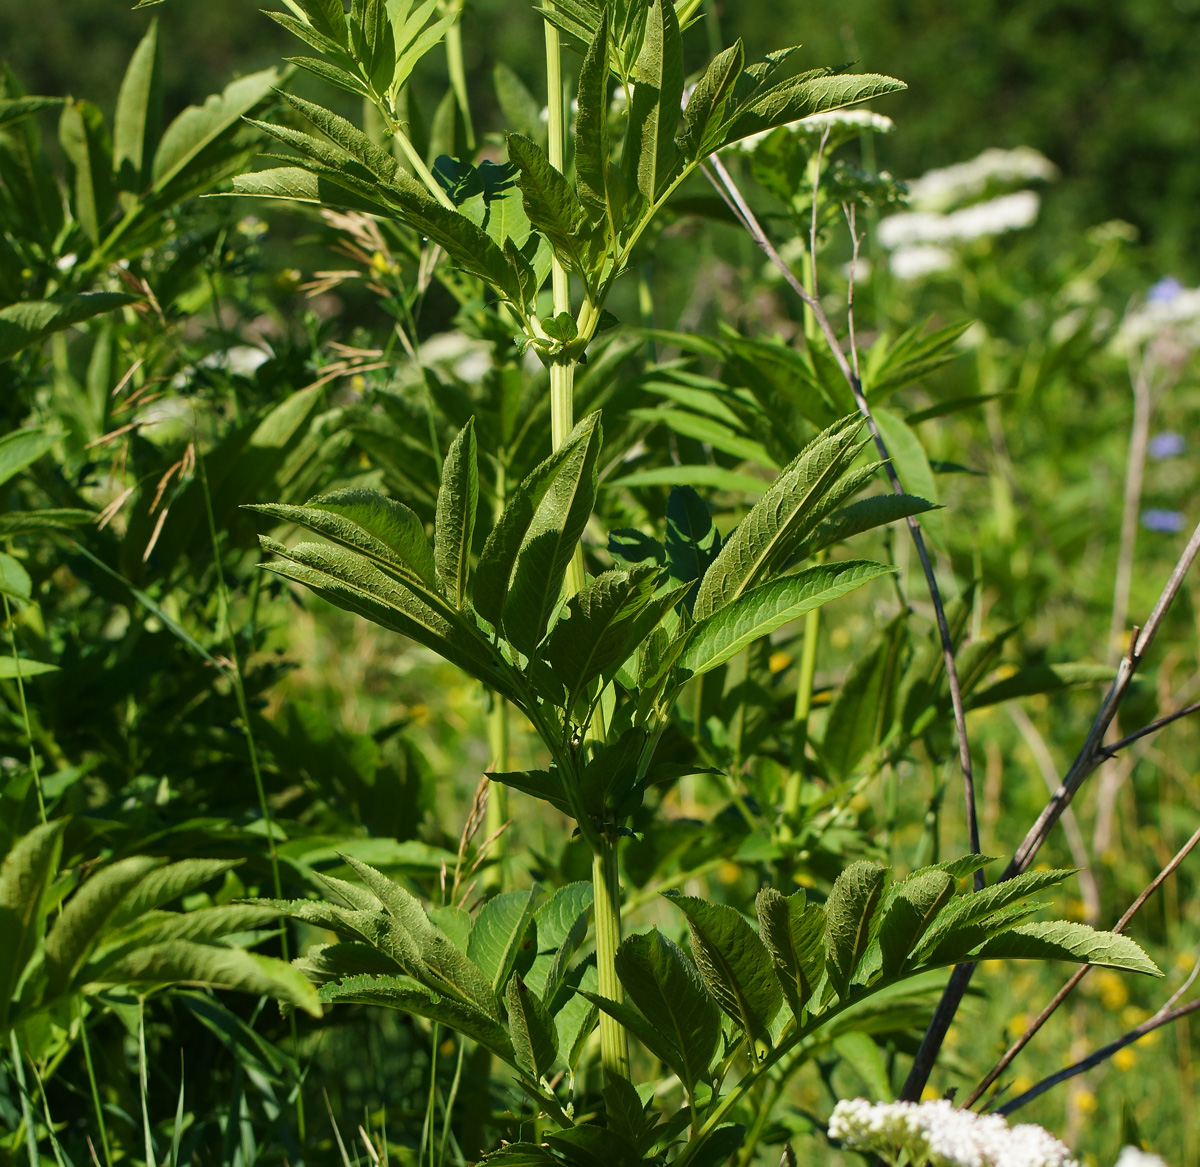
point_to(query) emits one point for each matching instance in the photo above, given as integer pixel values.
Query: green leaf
(327, 17)
(1060, 940)
(862, 712)
(12, 110)
(139, 114)
(24, 878)
(657, 94)
(705, 112)
(534, 1038)
(849, 914)
(645, 1031)
(714, 477)
(800, 97)
(591, 124)
(520, 109)
(1034, 679)
(387, 532)
(794, 933)
(551, 538)
(457, 503)
(541, 784)
(187, 138)
(912, 467)
(499, 932)
(735, 965)
(55, 519)
(781, 519)
(183, 962)
(600, 627)
(864, 515)
(707, 429)
(759, 612)
(408, 995)
(334, 74)
(14, 579)
(913, 908)
(860, 1052)
(22, 448)
(347, 136)
(167, 883)
(28, 668)
(520, 1155)
(86, 915)
(552, 206)
(84, 140)
(665, 985)
(296, 184)
(25, 323)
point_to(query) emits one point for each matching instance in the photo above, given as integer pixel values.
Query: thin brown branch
(1153, 727)
(1078, 975)
(1164, 1016)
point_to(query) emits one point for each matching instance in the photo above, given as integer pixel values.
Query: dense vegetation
(594, 789)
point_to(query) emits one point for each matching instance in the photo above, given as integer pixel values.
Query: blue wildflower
(1166, 445)
(1164, 291)
(1166, 522)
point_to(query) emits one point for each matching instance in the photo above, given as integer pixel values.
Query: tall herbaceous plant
(596, 659)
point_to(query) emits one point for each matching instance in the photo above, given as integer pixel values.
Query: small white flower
(1178, 313)
(66, 262)
(857, 119)
(939, 1134)
(241, 360)
(914, 263)
(1136, 1157)
(996, 216)
(951, 186)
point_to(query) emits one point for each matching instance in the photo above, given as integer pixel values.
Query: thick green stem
(606, 912)
(804, 692)
(497, 807)
(556, 149)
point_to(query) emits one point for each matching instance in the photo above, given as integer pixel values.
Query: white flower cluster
(1136, 1157)
(837, 122)
(941, 1135)
(922, 240)
(951, 186)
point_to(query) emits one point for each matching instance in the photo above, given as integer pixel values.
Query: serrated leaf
(864, 515)
(849, 915)
(164, 884)
(550, 539)
(54, 519)
(86, 915)
(551, 205)
(327, 17)
(706, 429)
(912, 467)
(780, 520)
(735, 965)
(1062, 940)
(657, 95)
(644, 1030)
(183, 962)
(913, 908)
(591, 124)
(457, 503)
(664, 984)
(800, 97)
(23, 447)
(24, 877)
(332, 73)
(794, 933)
(347, 136)
(25, 323)
(542, 784)
(705, 110)
(499, 932)
(408, 995)
(758, 612)
(13, 110)
(534, 1037)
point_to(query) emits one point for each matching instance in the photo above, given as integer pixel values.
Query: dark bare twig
(1157, 724)
(1078, 975)
(1163, 1017)
(1086, 762)
(729, 191)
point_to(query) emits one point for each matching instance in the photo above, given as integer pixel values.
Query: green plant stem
(606, 912)
(91, 1073)
(458, 76)
(556, 150)
(804, 692)
(33, 765)
(497, 807)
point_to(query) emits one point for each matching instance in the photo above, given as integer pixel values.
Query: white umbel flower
(1176, 310)
(995, 217)
(837, 122)
(1136, 1157)
(915, 263)
(941, 1135)
(951, 186)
